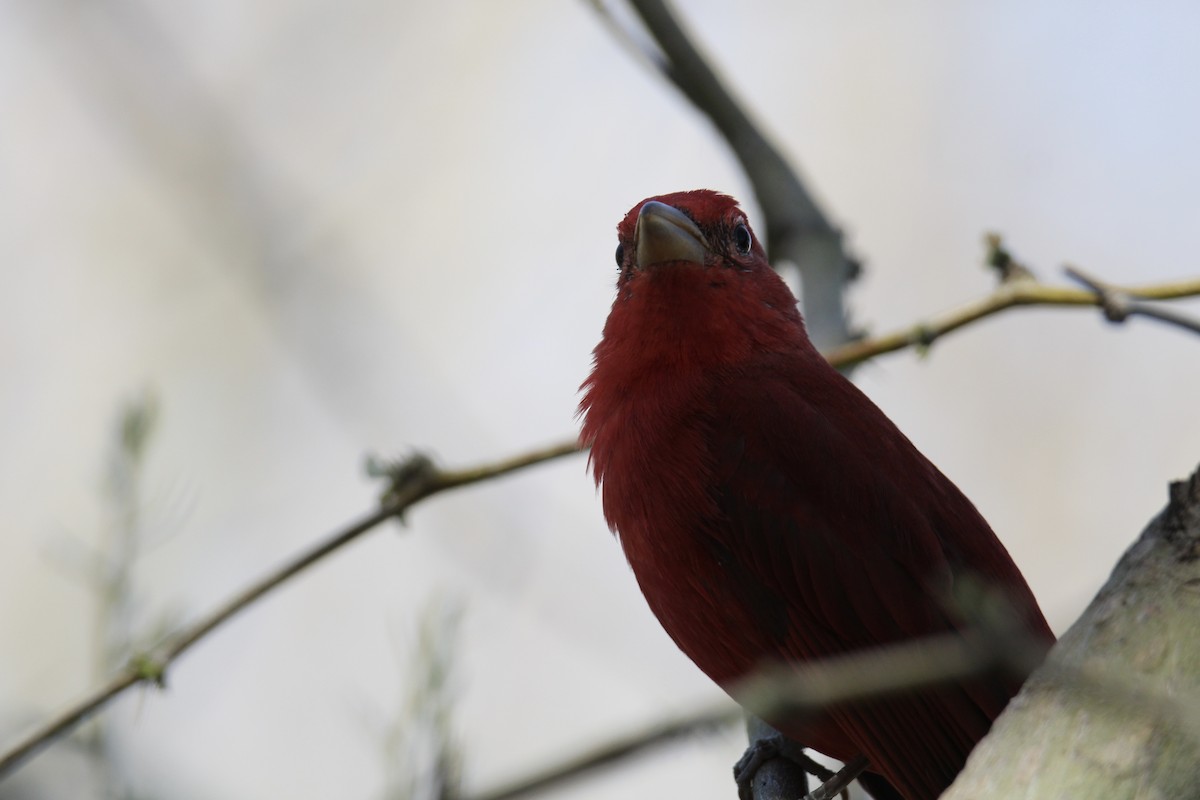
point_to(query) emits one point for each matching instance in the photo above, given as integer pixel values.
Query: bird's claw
(749, 773)
(758, 753)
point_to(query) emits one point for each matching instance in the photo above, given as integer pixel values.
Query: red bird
(769, 510)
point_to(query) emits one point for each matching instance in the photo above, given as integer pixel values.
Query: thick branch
(414, 480)
(1115, 711)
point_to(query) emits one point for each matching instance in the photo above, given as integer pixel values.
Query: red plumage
(769, 510)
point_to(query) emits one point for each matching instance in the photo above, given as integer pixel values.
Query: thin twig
(1119, 305)
(1007, 295)
(151, 667)
(840, 782)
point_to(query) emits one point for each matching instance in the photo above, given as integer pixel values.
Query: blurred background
(284, 235)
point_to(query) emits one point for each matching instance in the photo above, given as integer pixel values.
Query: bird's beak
(665, 233)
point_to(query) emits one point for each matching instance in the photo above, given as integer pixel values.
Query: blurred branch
(422, 755)
(107, 569)
(797, 231)
(1022, 291)
(794, 690)
(412, 481)
(114, 561)
(138, 81)
(640, 50)
(617, 749)
(800, 689)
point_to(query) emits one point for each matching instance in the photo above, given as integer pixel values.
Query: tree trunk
(1114, 713)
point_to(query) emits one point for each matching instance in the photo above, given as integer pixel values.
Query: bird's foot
(757, 776)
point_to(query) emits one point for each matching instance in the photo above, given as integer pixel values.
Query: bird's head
(701, 228)
(695, 279)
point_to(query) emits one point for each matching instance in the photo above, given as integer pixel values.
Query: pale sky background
(315, 230)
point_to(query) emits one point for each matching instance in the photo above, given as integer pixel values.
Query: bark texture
(1114, 713)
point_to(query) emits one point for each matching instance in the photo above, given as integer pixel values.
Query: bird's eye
(742, 239)
(620, 255)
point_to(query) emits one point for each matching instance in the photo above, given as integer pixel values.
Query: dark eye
(620, 256)
(742, 239)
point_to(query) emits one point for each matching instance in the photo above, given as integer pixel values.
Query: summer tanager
(770, 512)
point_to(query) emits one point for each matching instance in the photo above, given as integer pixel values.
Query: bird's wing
(838, 516)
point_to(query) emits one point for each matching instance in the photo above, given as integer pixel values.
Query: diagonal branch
(708, 719)
(640, 50)
(800, 689)
(415, 479)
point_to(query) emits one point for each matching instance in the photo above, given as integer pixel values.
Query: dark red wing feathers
(857, 554)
